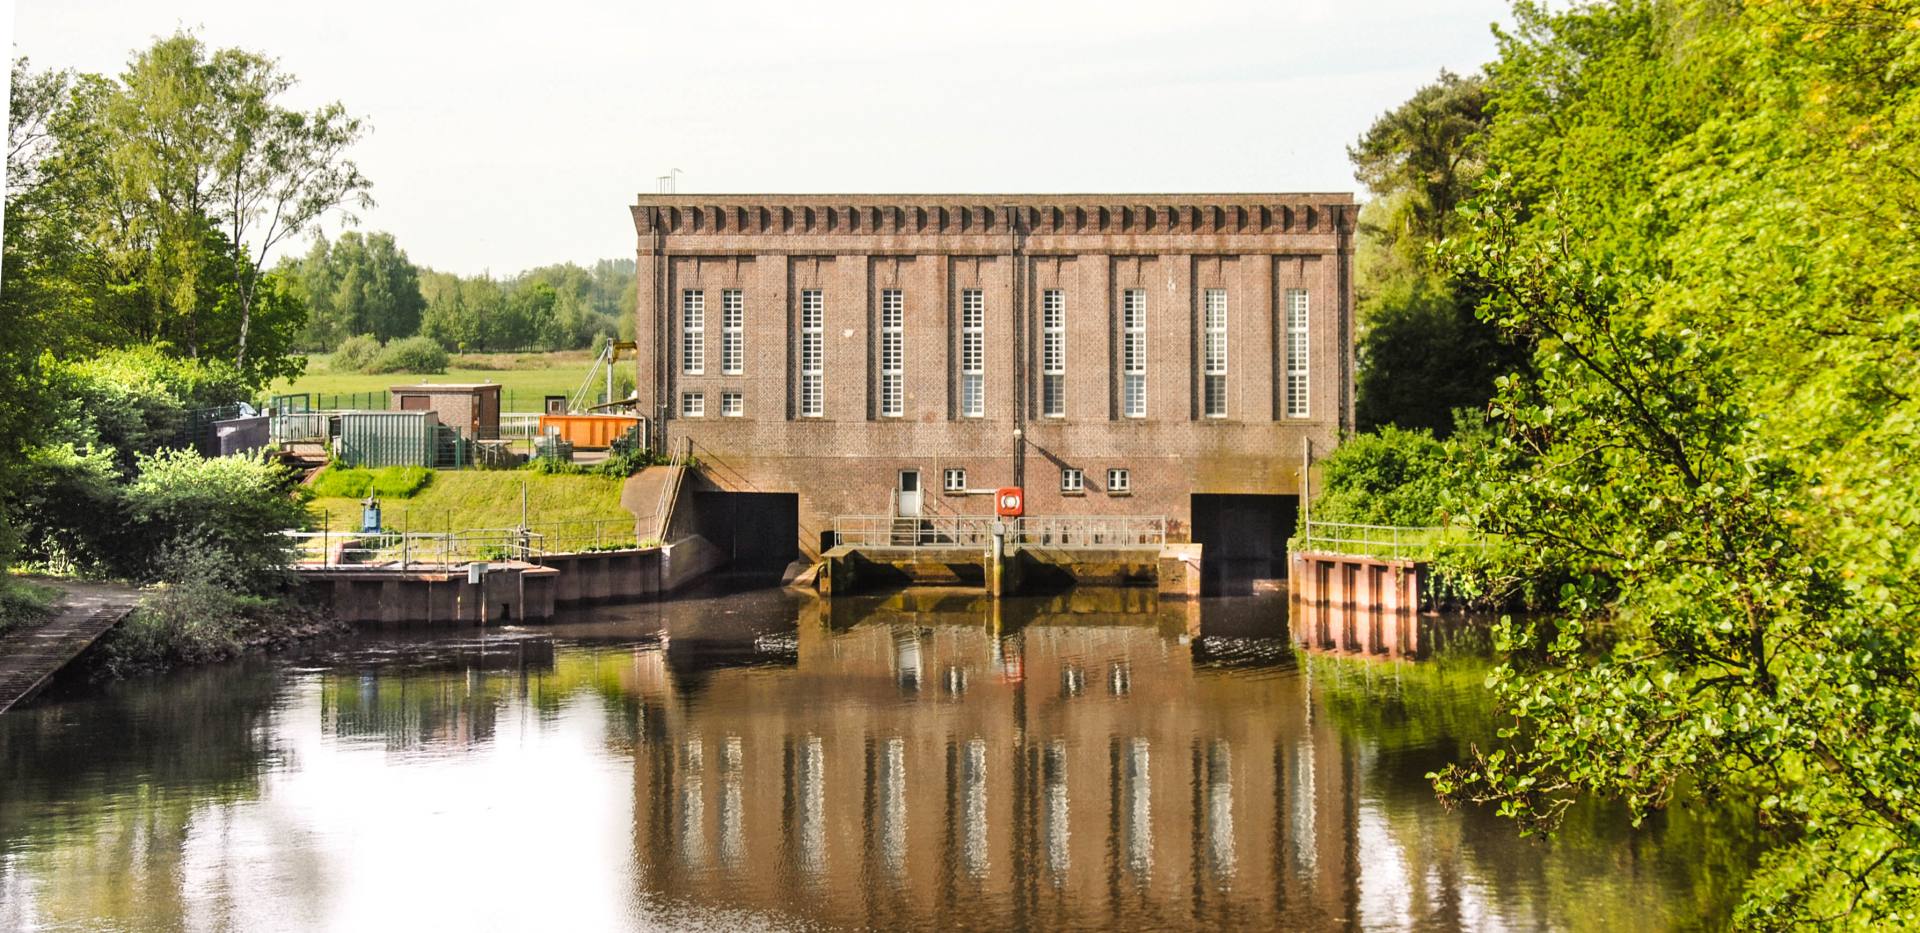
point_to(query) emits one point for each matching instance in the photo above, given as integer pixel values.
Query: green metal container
(387, 438)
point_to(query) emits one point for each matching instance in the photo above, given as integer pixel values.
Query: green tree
(184, 174)
(356, 285)
(1423, 352)
(1704, 226)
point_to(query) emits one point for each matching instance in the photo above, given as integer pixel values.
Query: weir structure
(1007, 556)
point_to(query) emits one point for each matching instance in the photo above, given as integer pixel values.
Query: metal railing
(566, 537)
(1389, 542)
(965, 531)
(416, 550)
(888, 531)
(519, 426)
(1092, 531)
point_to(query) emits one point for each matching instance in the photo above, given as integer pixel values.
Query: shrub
(1392, 477)
(410, 355)
(136, 401)
(354, 354)
(233, 505)
(68, 511)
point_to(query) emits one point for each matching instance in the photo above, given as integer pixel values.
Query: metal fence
(1388, 542)
(887, 531)
(1092, 531)
(957, 531)
(420, 550)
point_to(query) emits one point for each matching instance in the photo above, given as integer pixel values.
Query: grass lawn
(473, 499)
(526, 378)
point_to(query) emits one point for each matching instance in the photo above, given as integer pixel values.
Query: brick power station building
(1134, 354)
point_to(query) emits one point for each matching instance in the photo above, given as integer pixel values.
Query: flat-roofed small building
(470, 408)
(1135, 354)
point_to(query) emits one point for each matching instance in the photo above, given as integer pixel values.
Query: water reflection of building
(929, 760)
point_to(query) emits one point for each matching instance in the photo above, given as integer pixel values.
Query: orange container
(587, 430)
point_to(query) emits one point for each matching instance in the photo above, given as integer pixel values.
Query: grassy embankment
(561, 506)
(527, 377)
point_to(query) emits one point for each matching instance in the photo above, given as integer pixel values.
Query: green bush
(238, 506)
(137, 401)
(1391, 477)
(68, 512)
(354, 354)
(410, 355)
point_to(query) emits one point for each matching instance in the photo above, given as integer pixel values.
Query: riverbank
(188, 624)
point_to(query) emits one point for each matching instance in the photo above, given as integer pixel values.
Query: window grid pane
(956, 479)
(892, 351)
(1133, 322)
(1216, 353)
(1118, 481)
(812, 319)
(1296, 353)
(693, 404)
(732, 404)
(1072, 480)
(693, 327)
(1053, 353)
(732, 331)
(973, 352)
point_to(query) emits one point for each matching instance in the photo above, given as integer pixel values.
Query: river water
(1095, 761)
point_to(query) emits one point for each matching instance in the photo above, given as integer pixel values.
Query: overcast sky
(503, 138)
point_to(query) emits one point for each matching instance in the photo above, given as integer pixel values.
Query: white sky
(504, 138)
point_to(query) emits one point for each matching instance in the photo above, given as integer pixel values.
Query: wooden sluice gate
(1357, 605)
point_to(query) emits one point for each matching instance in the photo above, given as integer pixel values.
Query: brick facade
(1014, 249)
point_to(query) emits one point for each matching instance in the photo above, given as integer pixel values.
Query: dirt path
(31, 654)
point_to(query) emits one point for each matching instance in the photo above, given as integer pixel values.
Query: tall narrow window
(1133, 326)
(1296, 353)
(973, 352)
(693, 332)
(1053, 353)
(733, 322)
(1216, 353)
(892, 327)
(812, 334)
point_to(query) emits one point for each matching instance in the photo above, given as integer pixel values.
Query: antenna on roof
(668, 183)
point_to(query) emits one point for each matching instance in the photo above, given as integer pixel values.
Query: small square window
(955, 479)
(693, 404)
(1118, 483)
(732, 404)
(1072, 481)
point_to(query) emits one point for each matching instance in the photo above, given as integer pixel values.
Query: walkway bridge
(883, 551)
(31, 654)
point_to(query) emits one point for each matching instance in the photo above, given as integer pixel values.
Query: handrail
(949, 531)
(1392, 542)
(681, 457)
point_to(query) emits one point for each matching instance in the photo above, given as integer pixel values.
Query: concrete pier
(1353, 604)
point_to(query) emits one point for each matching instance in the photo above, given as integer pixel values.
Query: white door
(910, 493)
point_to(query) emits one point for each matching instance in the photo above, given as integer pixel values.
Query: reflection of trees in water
(98, 795)
(1683, 867)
